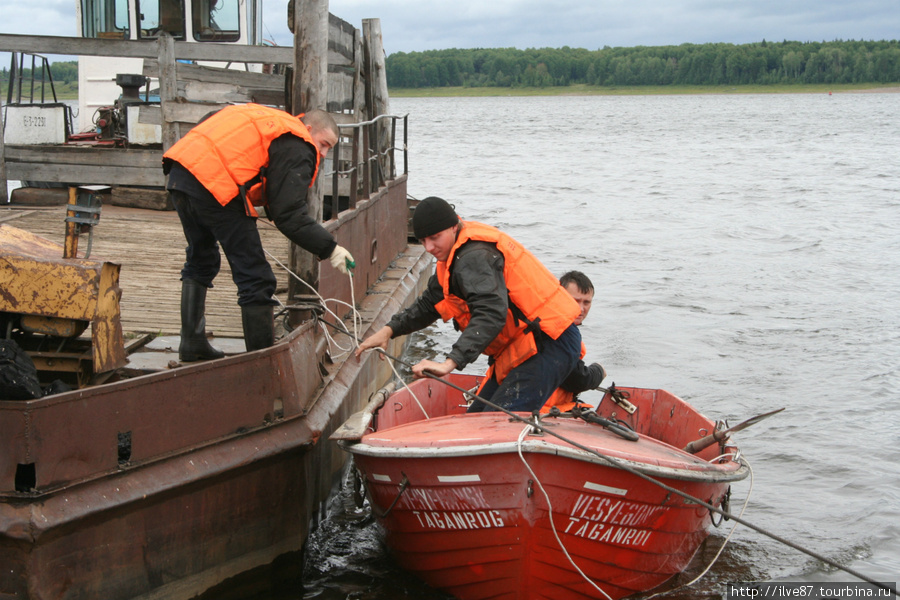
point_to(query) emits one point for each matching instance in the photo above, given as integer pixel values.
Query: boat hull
(481, 514)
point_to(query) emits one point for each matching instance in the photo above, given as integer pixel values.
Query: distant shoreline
(592, 90)
(643, 90)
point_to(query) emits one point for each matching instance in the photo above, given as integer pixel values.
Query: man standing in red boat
(506, 303)
(240, 158)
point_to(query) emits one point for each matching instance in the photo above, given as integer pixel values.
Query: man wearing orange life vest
(505, 302)
(232, 162)
(583, 377)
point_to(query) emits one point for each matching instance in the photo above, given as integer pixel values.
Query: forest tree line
(62, 72)
(688, 64)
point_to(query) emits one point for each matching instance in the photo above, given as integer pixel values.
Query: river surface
(745, 251)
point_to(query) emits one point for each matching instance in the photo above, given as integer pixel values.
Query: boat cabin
(236, 22)
(220, 21)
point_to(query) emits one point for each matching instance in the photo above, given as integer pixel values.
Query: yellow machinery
(48, 298)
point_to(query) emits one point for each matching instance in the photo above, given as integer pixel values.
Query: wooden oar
(718, 436)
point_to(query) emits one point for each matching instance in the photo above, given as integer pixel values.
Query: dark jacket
(583, 377)
(476, 277)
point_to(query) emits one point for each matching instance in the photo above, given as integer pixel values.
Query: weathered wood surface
(343, 68)
(4, 193)
(309, 92)
(200, 83)
(150, 247)
(131, 197)
(47, 44)
(107, 166)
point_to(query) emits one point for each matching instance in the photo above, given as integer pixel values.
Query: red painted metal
(462, 510)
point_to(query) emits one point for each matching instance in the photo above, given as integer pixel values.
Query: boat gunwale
(712, 475)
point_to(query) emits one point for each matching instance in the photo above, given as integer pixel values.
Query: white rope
(578, 569)
(406, 385)
(354, 312)
(357, 322)
(550, 513)
(725, 543)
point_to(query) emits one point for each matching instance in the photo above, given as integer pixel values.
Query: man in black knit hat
(505, 302)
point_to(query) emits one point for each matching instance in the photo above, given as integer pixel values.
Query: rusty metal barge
(165, 483)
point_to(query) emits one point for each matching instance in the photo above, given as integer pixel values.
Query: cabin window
(161, 15)
(105, 19)
(216, 20)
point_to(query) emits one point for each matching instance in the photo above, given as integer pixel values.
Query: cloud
(47, 17)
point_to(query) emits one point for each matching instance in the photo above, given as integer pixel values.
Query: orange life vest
(562, 399)
(539, 301)
(230, 150)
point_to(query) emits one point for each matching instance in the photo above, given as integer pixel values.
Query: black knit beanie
(433, 215)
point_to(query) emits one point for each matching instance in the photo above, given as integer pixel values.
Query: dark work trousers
(528, 386)
(207, 225)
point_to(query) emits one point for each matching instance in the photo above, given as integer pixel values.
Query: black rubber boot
(259, 326)
(194, 345)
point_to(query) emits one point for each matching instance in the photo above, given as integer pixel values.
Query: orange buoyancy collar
(231, 149)
(536, 297)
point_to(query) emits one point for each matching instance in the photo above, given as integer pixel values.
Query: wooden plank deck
(149, 246)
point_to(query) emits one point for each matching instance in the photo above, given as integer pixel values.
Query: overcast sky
(410, 25)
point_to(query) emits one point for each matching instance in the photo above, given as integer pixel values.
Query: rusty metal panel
(36, 280)
(13, 432)
(77, 435)
(374, 233)
(107, 339)
(176, 527)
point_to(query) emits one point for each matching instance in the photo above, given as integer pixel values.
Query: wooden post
(309, 91)
(359, 113)
(168, 88)
(70, 249)
(4, 192)
(377, 91)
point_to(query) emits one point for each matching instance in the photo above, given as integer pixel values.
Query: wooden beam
(74, 164)
(47, 44)
(4, 192)
(341, 41)
(207, 74)
(80, 155)
(377, 97)
(309, 92)
(188, 113)
(168, 85)
(378, 100)
(96, 174)
(310, 55)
